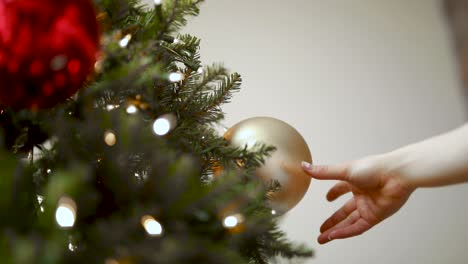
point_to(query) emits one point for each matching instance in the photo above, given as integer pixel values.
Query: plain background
(355, 78)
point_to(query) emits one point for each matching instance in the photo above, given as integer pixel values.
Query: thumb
(331, 172)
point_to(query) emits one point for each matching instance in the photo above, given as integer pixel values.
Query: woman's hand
(378, 192)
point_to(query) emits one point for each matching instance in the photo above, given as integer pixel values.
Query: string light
(125, 40)
(200, 70)
(176, 41)
(39, 201)
(49, 171)
(157, 2)
(233, 220)
(151, 226)
(273, 212)
(230, 221)
(164, 124)
(111, 107)
(131, 109)
(65, 214)
(110, 138)
(161, 126)
(72, 247)
(176, 77)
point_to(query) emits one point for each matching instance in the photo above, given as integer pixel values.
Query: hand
(378, 192)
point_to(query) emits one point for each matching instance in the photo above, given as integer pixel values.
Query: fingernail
(306, 165)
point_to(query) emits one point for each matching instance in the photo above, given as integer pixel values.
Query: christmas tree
(131, 168)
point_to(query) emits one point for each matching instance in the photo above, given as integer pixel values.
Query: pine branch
(211, 74)
(221, 94)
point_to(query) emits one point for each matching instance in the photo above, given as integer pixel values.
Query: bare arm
(438, 161)
(381, 184)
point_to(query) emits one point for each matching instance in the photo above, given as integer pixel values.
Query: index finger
(330, 172)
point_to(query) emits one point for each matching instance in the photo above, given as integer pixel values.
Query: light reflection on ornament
(151, 226)
(65, 214)
(176, 77)
(125, 40)
(58, 62)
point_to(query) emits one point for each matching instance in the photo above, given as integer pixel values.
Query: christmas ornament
(47, 50)
(284, 165)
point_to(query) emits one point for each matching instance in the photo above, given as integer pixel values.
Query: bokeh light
(125, 40)
(110, 138)
(152, 227)
(65, 215)
(161, 126)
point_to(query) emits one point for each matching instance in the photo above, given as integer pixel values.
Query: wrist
(398, 163)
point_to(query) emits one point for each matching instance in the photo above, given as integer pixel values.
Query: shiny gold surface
(284, 165)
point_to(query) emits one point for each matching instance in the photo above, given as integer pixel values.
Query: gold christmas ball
(284, 165)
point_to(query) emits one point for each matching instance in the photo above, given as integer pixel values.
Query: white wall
(355, 78)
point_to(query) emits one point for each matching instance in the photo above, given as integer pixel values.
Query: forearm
(437, 161)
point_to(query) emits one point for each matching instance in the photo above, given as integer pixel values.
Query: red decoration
(47, 50)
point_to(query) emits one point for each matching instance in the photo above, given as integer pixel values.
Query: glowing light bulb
(110, 107)
(39, 201)
(273, 212)
(161, 126)
(131, 109)
(157, 2)
(65, 214)
(110, 138)
(200, 70)
(125, 40)
(71, 246)
(152, 227)
(176, 41)
(230, 221)
(176, 77)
